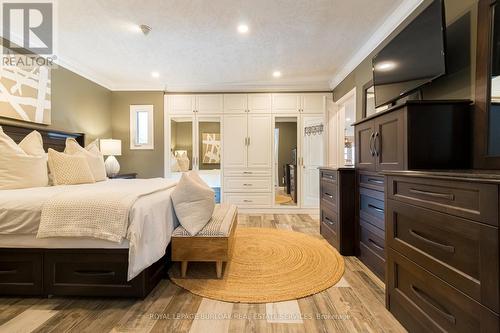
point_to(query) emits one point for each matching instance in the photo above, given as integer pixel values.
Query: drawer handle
(329, 177)
(95, 273)
(448, 196)
(381, 248)
(247, 172)
(247, 200)
(247, 184)
(329, 195)
(375, 181)
(433, 304)
(380, 210)
(330, 222)
(12, 271)
(447, 248)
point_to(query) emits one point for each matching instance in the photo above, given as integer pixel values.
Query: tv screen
(413, 58)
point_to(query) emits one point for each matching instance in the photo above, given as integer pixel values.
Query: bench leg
(218, 266)
(184, 267)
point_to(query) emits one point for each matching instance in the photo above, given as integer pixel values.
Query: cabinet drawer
(473, 201)
(328, 176)
(423, 302)
(371, 181)
(247, 173)
(248, 199)
(328, 195)
(329, 234)
(373, 238)
(330, 219)
(461, 252)
(371, 209)
(247, 184)
(374, 262)
(20, 273)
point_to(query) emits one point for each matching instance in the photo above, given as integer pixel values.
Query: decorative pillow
(69, 169)
(23, 165)
(193, 204)
(92, 154)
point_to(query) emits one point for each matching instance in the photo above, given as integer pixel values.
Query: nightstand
(124, 176)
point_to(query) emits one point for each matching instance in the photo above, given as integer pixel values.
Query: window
(141, 127)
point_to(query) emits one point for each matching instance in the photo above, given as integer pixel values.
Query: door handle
(372, 151)
(447, 248)
(376, 144)
(249, 141)
(433, 304)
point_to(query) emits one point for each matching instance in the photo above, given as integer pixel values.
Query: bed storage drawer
(21, 272)
(422, 302)
(91, 273)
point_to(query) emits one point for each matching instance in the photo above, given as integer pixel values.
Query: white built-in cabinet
(247, 134)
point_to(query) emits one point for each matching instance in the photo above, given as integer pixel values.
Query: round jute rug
(268, 265)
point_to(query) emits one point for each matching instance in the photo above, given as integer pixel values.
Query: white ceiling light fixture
(155, 75)
(386, 66)
(243, 28)
(276, 74)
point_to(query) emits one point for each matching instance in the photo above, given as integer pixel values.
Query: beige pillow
(69, 169)
(194, 204)
(23, 165)
(92, 154)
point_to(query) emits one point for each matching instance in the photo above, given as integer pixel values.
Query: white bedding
(151, 221)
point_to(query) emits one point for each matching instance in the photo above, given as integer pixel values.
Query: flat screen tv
(413, 58)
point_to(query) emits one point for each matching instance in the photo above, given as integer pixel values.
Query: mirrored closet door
(285, 171)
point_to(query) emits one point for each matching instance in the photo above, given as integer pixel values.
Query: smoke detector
(146, 29)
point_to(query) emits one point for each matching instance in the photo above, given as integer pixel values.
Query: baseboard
(279, 210)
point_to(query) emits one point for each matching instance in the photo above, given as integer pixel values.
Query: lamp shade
(111, 147)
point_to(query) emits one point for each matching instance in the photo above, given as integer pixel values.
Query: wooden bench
(213, 243)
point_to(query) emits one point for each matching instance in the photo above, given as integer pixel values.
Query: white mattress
(151, 223)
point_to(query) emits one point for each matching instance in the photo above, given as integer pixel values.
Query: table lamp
(111, 148)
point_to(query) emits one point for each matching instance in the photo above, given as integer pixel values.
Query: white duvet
(150, 226)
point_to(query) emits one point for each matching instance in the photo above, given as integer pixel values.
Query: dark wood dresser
(412, 135)
(337, 202)
(442, 240)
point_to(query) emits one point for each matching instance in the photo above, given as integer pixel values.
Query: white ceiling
(195, 46)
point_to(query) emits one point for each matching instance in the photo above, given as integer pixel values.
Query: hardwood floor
(355, 304)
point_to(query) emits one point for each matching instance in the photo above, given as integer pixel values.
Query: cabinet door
(259, 103)
(313, 157)
(209, 103)
(314, 103)
(235, 103)
(389, 143)
(234, 135)
(260, 140)
(180, 104)
(364, 136)
(286, 103)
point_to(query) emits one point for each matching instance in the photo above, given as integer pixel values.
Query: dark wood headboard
(51, 138)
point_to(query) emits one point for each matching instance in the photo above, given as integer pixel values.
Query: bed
(66, 266)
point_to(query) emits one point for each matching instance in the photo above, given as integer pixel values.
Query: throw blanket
(88, 212)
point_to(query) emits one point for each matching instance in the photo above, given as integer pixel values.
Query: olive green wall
(147, 163)
(78, 105)
(461, 21)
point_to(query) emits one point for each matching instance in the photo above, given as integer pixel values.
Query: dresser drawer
(330, 219)
(328, 176)
(473, 201)
(371, 207)
(20, 273)
(249, 199)
(247, 184)
(247, 173)
(328, 193)
(459, 251)
(329, 233)
(373, 238)
(371, 181)
(424, 303)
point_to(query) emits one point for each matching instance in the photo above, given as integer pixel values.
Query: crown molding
(390, 24)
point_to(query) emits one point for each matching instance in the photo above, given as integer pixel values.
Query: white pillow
(23, 165)
(92, 154)
(193, 204)
(69, 169)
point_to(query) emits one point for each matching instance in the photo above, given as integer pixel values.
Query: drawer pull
(247, 172)
(330, 222)
(329, 195)
(95, 273)
(381, 248)
(247, 184)
(247, 200)
(7, 272)
(433, 304)
(375, 181)
(448, 196)
(380, 210)
(447, 248)
(329, 177)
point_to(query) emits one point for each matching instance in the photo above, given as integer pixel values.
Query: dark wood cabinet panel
(21, 272)
(457, 250)
(389, 142)
(371, 180)
(365, 155)
(372, 260)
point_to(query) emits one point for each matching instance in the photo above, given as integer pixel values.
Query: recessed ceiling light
(243, 28)
(277, 74)
(155, 75)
